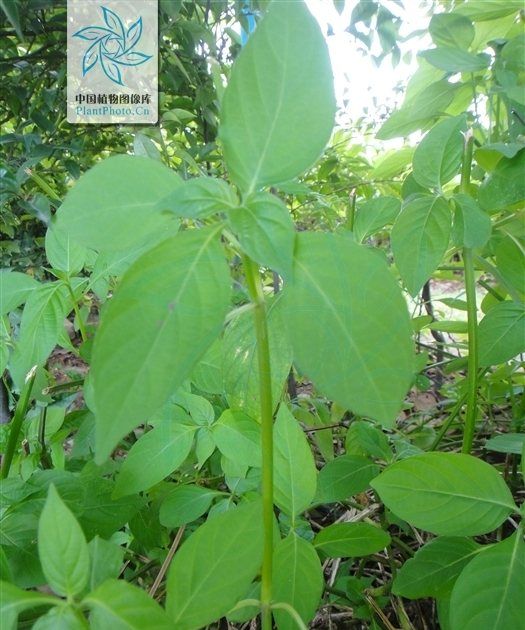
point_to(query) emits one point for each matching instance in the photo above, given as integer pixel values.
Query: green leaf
(481, 10)
(343, 477)
(437, 158)
(297, 580)
(455, 59)
(278, 109)
(238, 437)
(363, 438)
(374, 214)
(61, 618)
(460, 327)
(239, 359)
(489, 591)
(488, 155)
(420, 239)
(451, 30)
(199, 198)
(228, 545)
(266, 231)
(510, 260)
(10, 8)
(42, 321)
(341, 330)
(114, 204)
(122, 606)
(62, 547)
(15, 288)
(207, 376)
(344, 540)
(106, 561)
(63, 253)
(506, 443)
(435, 567)
(295, 474)
(185, 504)
(505, 186)
(502, 333)
(166, 312)
(393, 163)
(472, 226)
(449, 494)
(419, 110)
(145, 147)
(14, 600)
(164, 448)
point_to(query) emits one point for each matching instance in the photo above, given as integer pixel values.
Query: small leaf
(229, 545)
(451, 30)
(472, 226)
(343, 477)
(132, 58)
(455, 59)
(14, 600)
(113, 21)
(505, 186)
(506, 443)
(134, 34)
(489, 591)
(351, 540)
(266, 231)
(420, 239)
(92, 33)
(435, 567)
(117, 604)
(450, 494)
(297, 580)
(375, 214)
(199, 198)
(185, 504)
(111, 69)
(62, 547)
(106, 561)
(164, 448)
(238, 437)
(15, 288)
(295, 474)
(501, 333)
(63, 253)
(61, 618)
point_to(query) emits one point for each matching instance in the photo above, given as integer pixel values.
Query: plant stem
(472, 314)
(78, 316)
(16, 423)
(255, 289)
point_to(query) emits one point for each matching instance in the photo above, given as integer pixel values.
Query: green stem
(255, 289)
(472, 314)
(78, 316)
(16, 423)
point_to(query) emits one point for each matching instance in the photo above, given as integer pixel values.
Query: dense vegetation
(250, 371)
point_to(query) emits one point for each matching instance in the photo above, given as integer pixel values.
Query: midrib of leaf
(472, 498)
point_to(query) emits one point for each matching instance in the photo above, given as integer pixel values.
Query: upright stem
(16, 423)
(472, 314)
(255, 289)
(80, 321)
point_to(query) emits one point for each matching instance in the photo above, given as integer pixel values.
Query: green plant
(187, 415)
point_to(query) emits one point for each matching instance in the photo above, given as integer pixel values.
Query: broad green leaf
(506, 443)
(374, 214)
(510, 260)
(238, 437)
(472, 226)
(488, 155)
(61, 618)
(340, 329)
(15, 288)
(351, 540)
(481, 10)
(266, 232)
(14, 600)
(392, 163)
(118, 605)
(437, 158)
(166, 312)
(435, 567)
(420, 239)
(489, 591)
(502, 333)
(449, 494)
(343, 477)
(505, 186)
(199, 198)
(295, 474)
(185, 504)
(239, 362)
(62, 547)
(42, 321)
(164, 448)
(106, 561)
(455, 59)
(297, 580)
(451, 30)
(278, 109)
(63, 253)
(363, 438)
(207, 376)
(417, 112)
(229, 546)
(114, 204)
